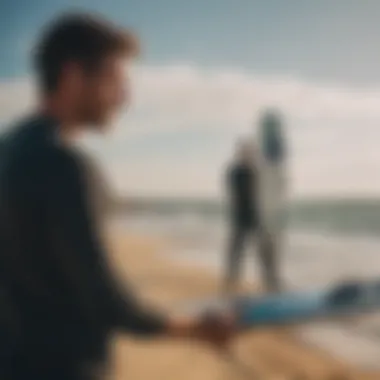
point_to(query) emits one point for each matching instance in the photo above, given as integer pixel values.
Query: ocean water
(326, 241)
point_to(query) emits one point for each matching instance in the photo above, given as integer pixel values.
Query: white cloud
(16, 96)
(333, 131)
(235, 96)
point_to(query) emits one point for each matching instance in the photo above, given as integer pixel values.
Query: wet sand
(267, 355)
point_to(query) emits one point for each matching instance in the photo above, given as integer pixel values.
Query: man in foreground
(62, 299)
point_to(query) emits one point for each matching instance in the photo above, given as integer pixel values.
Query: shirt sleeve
(81, 254)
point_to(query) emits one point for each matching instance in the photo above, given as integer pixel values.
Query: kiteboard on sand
(339, 301)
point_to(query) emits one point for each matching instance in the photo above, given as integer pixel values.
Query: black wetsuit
(62, 298)
(243, 188)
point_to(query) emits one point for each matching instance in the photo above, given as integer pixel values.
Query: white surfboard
(272, 180)
(272, 170)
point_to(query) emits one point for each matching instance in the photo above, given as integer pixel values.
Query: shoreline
(165, 282)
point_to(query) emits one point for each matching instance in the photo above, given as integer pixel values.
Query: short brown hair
(78, 37)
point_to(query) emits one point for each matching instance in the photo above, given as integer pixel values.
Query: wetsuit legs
(267, 256)
(234, 256)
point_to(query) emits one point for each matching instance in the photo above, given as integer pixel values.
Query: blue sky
(324, 40)
(207, 68)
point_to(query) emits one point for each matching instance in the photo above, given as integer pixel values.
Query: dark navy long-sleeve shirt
(53, 264)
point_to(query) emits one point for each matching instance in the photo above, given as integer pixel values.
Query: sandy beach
(258, 354)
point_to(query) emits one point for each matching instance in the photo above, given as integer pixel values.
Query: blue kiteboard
(339, 301)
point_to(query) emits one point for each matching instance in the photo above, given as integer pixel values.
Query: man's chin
(100, 125)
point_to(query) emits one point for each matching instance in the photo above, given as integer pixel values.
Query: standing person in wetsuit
(59, 301)
(242, 187)
(243, 194)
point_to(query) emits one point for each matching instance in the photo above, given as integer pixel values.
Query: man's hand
(215, 329)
